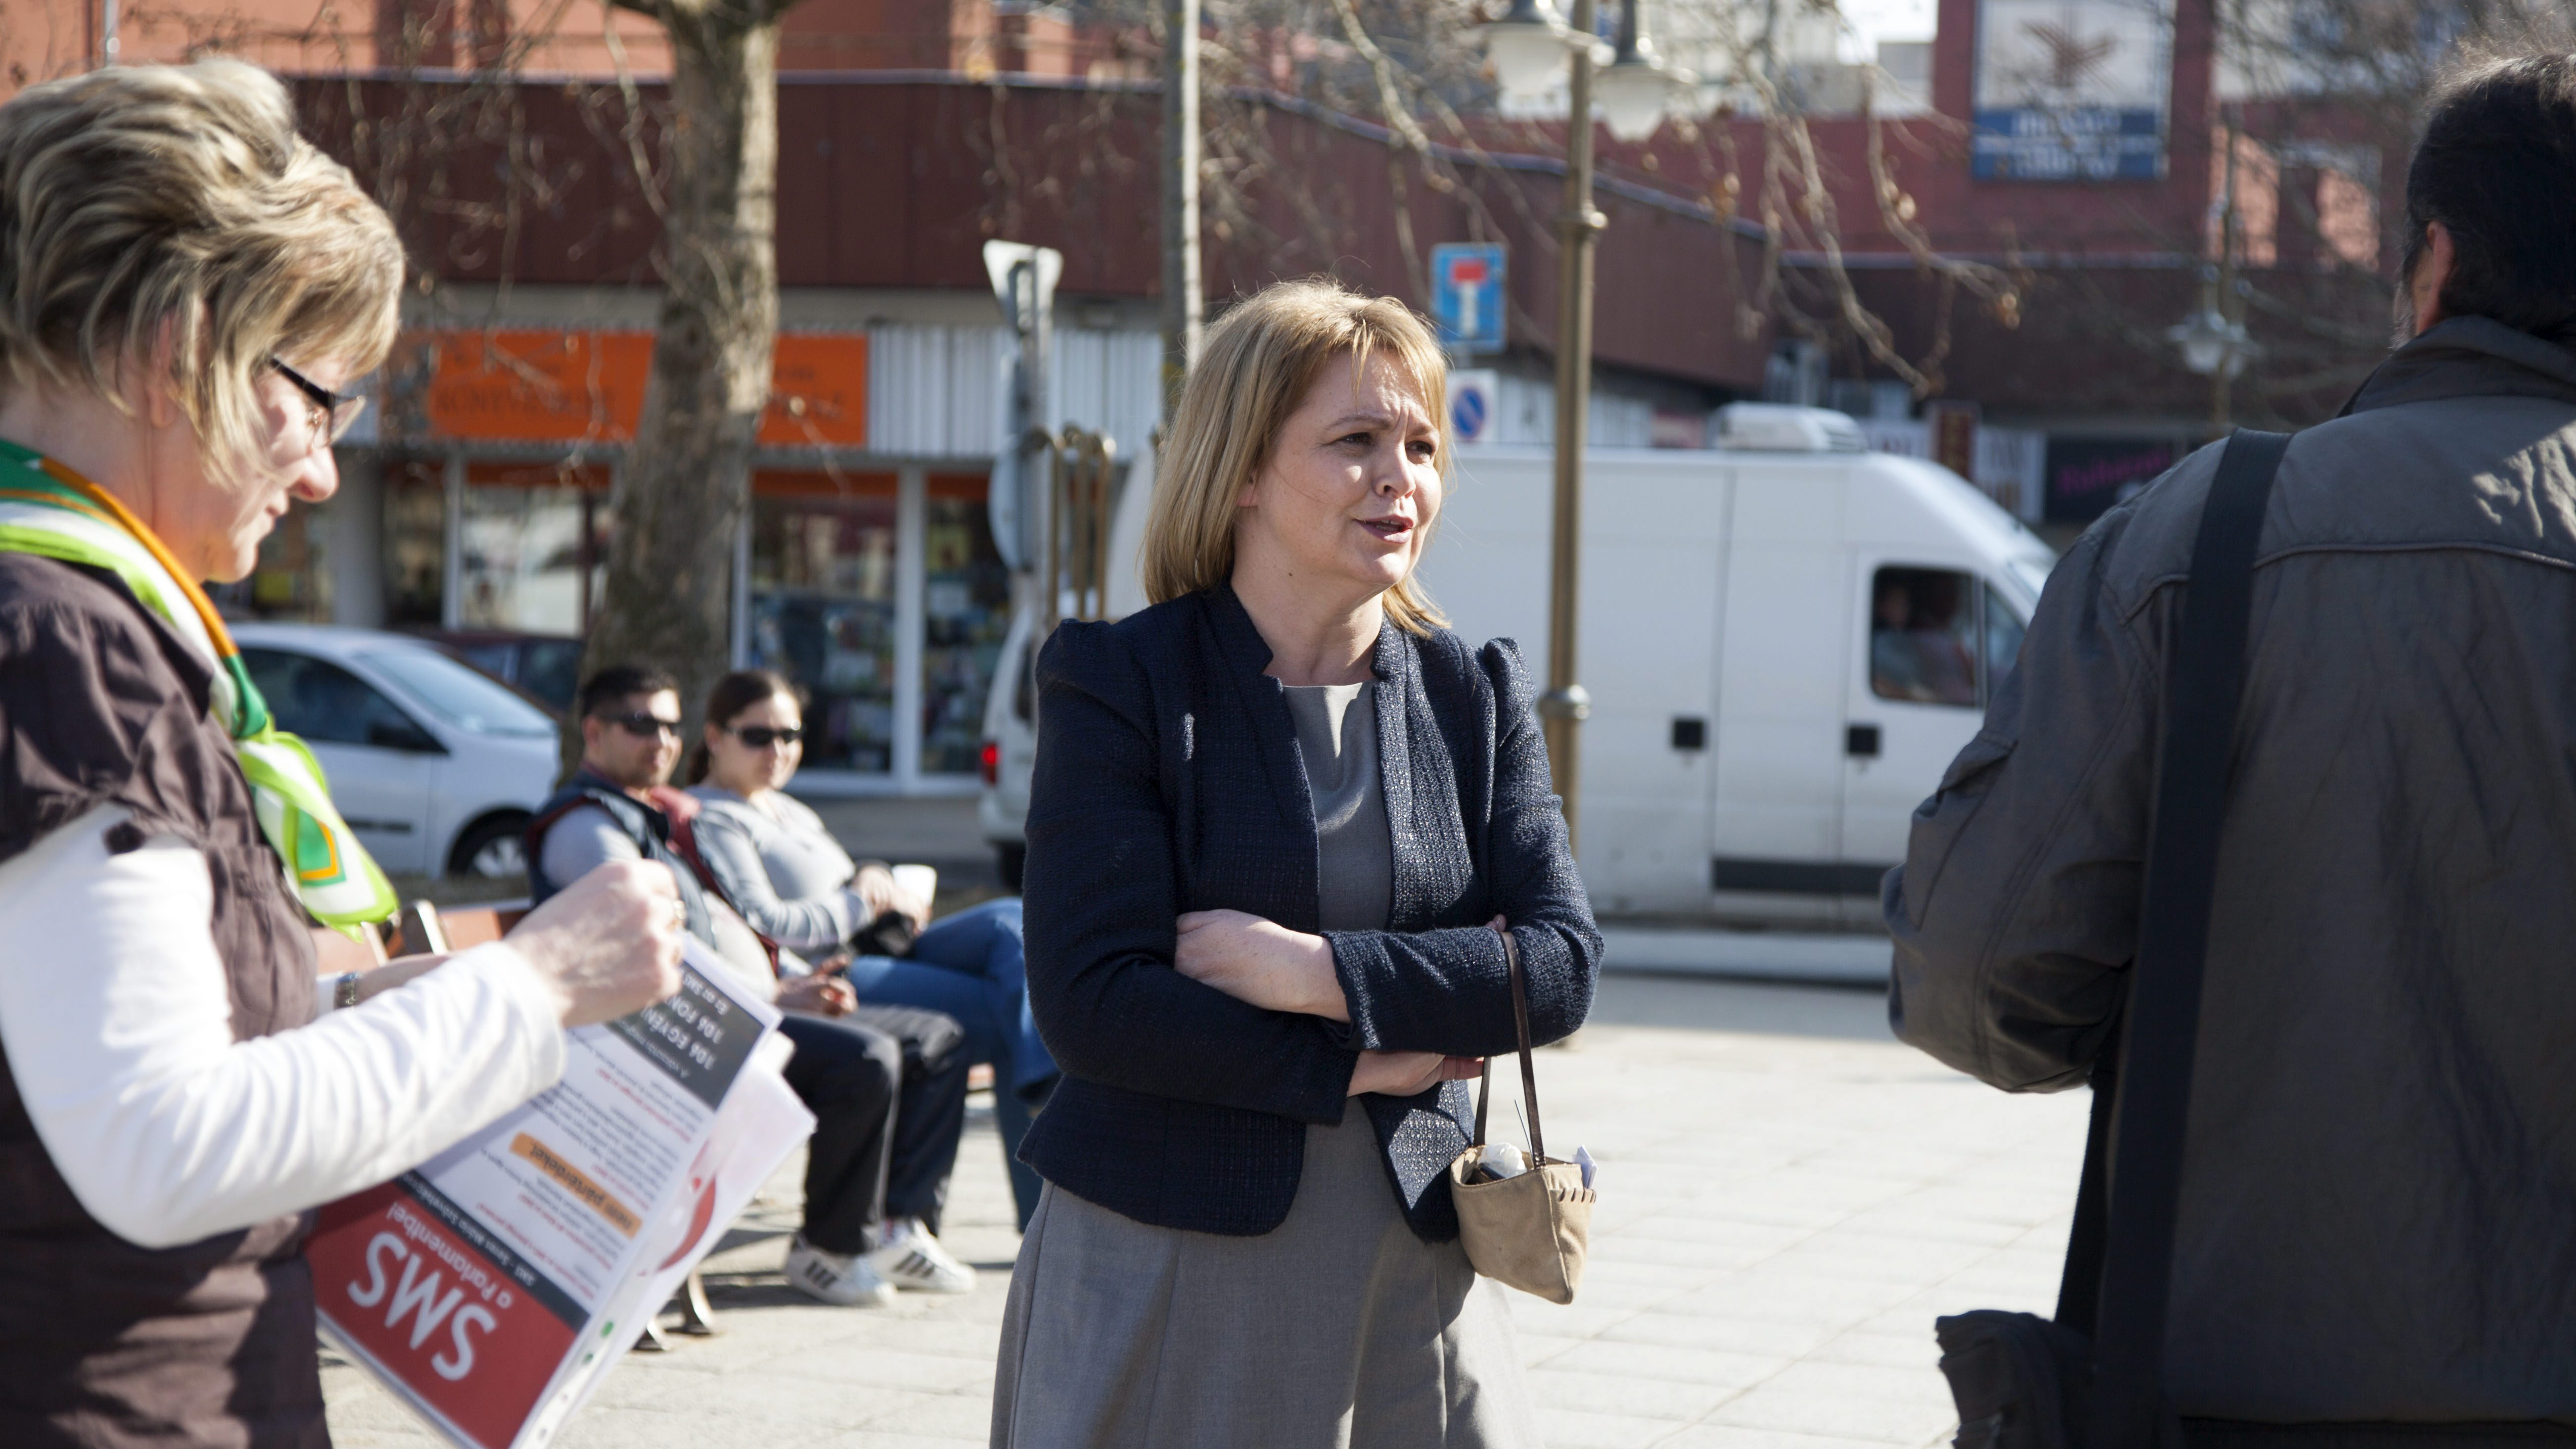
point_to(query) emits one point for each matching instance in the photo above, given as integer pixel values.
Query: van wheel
(492, 848)
(1014, 859)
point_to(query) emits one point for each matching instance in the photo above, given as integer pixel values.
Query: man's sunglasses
(761, 737)
(333, 412)
(643, 725)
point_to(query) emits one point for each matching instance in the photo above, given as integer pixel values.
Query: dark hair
(2497, 168)
(732, 695)
(613, 685)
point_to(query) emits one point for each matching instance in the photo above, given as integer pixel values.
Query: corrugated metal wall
(934, 392)
(940, 392)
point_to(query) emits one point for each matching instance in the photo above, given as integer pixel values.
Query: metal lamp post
(1529, 46)
(2213, 340)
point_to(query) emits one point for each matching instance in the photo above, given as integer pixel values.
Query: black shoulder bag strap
(2119, 1267)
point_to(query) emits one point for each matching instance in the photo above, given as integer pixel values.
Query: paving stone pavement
(1788, 1200)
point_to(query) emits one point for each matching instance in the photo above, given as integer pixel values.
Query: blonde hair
(138, 198)
(1258, 363)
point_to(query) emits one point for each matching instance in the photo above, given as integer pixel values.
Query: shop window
(533, 547)
(823, 607)
(967, 610)
(291, 578)
(415, 544)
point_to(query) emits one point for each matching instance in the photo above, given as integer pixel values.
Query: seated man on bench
(886, 1084)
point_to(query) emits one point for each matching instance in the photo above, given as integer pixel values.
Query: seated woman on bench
(886, 1083)
(794, 883)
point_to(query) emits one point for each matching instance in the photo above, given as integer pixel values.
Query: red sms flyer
(492, 1287)
(435, 1303)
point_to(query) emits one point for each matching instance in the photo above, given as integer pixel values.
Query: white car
(434, 765)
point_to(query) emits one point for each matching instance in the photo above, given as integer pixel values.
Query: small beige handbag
(1531, 1231)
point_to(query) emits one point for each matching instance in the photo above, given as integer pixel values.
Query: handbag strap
(2153, 1098)
(1529, 1073)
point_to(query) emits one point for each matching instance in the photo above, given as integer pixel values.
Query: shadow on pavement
(1699, 1003)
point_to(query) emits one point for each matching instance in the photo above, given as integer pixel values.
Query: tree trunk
(680, 497)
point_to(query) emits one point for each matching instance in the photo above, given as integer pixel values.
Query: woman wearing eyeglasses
(186, 286)
(780, 866)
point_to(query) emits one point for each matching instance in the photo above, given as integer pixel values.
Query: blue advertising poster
(1467, 296)
(2071, 90)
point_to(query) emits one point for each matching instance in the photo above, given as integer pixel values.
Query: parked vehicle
(1785, 639)
(544, 666)
(434, 765)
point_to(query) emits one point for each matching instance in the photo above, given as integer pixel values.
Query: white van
(1785, 640)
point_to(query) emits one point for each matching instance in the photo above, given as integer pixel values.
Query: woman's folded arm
(116, 1017)
(1449, 990)
(1100, 907)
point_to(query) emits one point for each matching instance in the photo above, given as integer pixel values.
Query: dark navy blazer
(1169, 780)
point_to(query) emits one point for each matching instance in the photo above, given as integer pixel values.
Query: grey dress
(1339, 1328)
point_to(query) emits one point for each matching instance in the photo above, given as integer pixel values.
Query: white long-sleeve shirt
(116, 1016)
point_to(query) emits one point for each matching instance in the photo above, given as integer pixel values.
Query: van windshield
(2031, 570)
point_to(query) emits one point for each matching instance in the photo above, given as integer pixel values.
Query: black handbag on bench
(2088, 1379)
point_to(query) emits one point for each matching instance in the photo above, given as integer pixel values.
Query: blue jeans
(970, 966)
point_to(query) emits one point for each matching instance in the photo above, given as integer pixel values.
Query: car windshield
(459, 695)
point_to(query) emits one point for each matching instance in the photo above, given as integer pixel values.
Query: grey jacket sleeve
(816, 923)
(2016, 909)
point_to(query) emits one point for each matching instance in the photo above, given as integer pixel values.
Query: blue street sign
(1467, 295)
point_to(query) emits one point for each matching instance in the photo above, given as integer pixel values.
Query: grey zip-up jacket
(2378, 1214)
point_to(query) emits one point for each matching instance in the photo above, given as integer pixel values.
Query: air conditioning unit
(1783, 428)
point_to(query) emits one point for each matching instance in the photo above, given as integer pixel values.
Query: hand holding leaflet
(493, 1287)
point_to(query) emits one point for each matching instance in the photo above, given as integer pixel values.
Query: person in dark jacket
(1279, 821)
(2376, 1221)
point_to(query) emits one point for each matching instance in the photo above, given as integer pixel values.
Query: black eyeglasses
(643, 725)
(761, 737)
(333, 412)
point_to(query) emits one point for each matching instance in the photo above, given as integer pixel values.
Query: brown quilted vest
(105, 1345)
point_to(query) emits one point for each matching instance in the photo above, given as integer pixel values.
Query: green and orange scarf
(49, 510)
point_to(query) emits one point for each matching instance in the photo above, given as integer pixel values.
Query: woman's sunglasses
(761, 737)
(333, 412)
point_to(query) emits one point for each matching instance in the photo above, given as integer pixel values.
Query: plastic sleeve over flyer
(493, 1286)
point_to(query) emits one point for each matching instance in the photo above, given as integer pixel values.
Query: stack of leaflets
(494, 1287)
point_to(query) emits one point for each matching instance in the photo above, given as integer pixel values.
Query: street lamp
(2213, 340)
(2213, 344)
(1527, 46)
(1637, 86)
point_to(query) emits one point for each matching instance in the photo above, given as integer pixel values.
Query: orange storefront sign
(538, 386)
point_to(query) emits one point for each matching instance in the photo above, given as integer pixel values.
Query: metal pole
(1104, 455)
(107, 41)
(2222, 380)
(1565, 705)
(1181, 285)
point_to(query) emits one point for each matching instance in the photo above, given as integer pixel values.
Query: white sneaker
(912, 1258)
(837, 1278)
